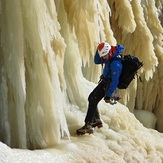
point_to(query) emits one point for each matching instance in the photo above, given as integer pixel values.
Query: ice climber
(107, 85)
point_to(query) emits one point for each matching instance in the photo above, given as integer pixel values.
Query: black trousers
(94, 98)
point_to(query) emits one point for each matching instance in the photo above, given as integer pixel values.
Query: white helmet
(103, 49)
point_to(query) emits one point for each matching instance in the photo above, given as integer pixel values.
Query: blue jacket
(112, 70)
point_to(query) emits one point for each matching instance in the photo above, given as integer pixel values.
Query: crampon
(86, 129)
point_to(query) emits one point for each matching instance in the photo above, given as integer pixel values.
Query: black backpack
(130, 66)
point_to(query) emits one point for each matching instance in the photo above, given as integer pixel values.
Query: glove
(112, 101)
(117, 98)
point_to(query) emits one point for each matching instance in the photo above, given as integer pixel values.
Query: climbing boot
(97, 123)
(86, 129)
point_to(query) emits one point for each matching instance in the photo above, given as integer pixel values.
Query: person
(108, 56)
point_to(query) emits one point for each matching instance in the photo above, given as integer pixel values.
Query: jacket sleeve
(116, 69)
(97, 58)
(120, 49)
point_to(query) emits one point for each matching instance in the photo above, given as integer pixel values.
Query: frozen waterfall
(47, 73)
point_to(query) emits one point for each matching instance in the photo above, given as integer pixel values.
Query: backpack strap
(116, 58)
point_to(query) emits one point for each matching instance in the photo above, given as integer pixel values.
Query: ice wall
(47, 69)
(32, 97)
